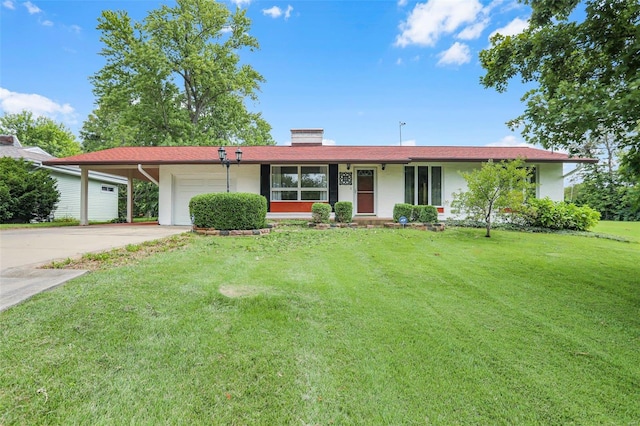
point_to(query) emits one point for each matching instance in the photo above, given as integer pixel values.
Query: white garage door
(186, 186)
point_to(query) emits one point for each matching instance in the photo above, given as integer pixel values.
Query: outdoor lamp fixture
(222, 154)
(384, 166)
(348, 166)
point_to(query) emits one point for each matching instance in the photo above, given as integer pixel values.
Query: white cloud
(13, 103)
(276, 12)
(428, 21)
(399, 61)
(512, 28)
(410, 142)
(75, 29)
(457, 54)
(287, 13)
(32, 8)
(473, 31)
(328, 142)
(9, 4)
(508, 141)
(241, 3)
(47, 23)
(402, 3)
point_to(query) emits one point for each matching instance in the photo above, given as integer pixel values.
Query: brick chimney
(10, 140)
(306, 137)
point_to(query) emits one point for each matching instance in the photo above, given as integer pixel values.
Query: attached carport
(148, 173)
(143, 164)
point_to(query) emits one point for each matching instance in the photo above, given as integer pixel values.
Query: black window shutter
(265, 183)
(333, 184)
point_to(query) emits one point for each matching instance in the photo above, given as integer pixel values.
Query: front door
(365, 192)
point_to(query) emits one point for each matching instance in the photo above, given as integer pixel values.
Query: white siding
(389, 185)
(178, 183)
(103, 206)
(551, 183)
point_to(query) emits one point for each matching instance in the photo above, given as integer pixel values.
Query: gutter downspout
(577, 169)
(147, 175)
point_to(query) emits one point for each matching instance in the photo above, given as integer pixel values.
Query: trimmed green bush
(424, 214)
(427, 214)
(545, 213)
(320, 212)
(227, 211)
(403, 209)
(344, 211)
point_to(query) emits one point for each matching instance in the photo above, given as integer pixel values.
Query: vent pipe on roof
(306, 137)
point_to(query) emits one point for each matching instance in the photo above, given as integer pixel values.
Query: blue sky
(355, 68)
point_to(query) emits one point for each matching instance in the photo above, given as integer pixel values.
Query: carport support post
(130, 197)
(84, 196)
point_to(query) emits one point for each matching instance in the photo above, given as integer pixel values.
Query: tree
(605, 186)
(587, 72)
(176, 79)
(493, 190)
(25, 193)
(54, 138)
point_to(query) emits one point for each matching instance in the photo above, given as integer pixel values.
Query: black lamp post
(222, 154)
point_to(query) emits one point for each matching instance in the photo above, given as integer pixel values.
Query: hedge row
(229, 211)
(423, 214)
(545, 213)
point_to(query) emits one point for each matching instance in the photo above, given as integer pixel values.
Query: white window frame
(430, 191)
(299, 189)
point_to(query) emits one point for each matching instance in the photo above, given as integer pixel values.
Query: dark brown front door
(365, 191)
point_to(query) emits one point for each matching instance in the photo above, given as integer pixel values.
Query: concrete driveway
(23, 250)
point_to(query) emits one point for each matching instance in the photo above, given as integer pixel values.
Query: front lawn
(628, 230)
(343, 326)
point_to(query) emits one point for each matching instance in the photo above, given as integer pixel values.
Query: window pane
(409, 185)
(423, 185)
(313, 195)
(284, 177)
(284, 195)
(436, 186)
(313, 177)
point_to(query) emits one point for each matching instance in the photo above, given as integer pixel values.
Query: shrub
(228, 211)
(403, 209)
(25, 193)
(427, 214)
(320, 212)
(545, 213)
(424, 214)
(344, 211)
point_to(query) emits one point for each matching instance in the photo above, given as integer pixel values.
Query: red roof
(313, 154)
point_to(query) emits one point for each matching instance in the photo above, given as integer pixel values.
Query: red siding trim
(291, 206)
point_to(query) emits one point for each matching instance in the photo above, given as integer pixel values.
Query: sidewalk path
(23, 250)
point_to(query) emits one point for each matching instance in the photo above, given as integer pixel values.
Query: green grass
(337, 327)
(629, 230)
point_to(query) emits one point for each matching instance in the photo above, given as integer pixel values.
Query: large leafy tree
(43, 132)
(494, 190)
(176, 78)
(584, 59)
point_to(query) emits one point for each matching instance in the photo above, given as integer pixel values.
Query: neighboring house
(292, 178)
(102, 188)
